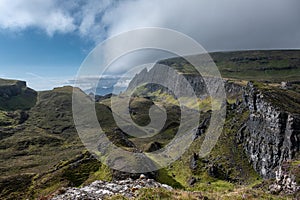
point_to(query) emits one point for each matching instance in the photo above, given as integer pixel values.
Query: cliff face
(15, 95)
(163, 75)
(271, 135)
(179, 82)
(11, 88)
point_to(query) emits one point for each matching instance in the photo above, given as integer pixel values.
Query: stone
(193, 161)
(284, 182)
(142, 176)
(192, 181)
(102, 189)
(213, 171)
(285, 85)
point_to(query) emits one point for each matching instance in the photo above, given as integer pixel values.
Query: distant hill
(257, 65)
(16, 95)
(263, 65)
(106, 85)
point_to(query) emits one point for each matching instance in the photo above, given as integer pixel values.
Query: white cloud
(41, 83)
(45, 14)
(218, 25)
(123, 83)
(55, 16)
(89, 13)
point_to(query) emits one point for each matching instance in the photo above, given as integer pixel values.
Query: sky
(44, 42)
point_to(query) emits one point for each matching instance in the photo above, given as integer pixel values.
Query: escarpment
(15, 95)
(173, 82)
(272, 134)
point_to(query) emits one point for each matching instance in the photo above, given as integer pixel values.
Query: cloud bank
(217, 25)
(19, 14)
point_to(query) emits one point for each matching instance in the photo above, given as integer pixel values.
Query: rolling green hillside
(274, 66)
(42, 152)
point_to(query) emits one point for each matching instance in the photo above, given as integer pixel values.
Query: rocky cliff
(272, 133)
(15, 95)
(168, 77)
(10, 88)
(179, 82)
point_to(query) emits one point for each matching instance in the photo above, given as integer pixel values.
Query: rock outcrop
(284, 182)
(101, 189)
(12, 91)
(10, 88)
(167, 80)
(271, 135)
(161, 74)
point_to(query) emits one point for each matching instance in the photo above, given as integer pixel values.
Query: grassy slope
(45, 152)
(272, 66)
(285, 99)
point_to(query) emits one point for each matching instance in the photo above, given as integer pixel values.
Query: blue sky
(45, 41)
(36, 53)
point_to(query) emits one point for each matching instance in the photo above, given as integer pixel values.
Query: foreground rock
(286, 179)
(101, 189)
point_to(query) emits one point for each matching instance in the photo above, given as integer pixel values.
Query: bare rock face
(193, 161)
(179, 83)
(271, 135)
(285, 182)
(102, 189)
(160, 74)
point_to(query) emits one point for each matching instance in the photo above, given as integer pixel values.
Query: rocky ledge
(102, 189)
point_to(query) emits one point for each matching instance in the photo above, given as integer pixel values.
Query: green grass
(5, 82)
(16, 186)
(77, 174)
(4, 119)
(284, 99)
(228, 155)
(164, 177)
(269, 65)
(41, 142)
(23, 101)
